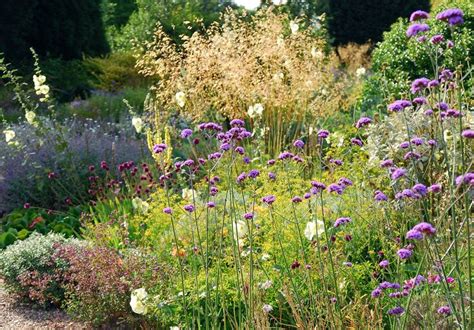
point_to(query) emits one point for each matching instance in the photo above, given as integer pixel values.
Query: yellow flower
(137, 123)
(180, 98)
(9, 135)
(30, 117)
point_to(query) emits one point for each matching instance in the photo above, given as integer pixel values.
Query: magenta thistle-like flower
(437, 39)
(468, 134)
(444, 310)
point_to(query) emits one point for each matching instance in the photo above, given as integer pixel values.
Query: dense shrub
(29, 272)
(366, 20)
(177, 18)
(398, 59)
(115, 72)
(65, 29)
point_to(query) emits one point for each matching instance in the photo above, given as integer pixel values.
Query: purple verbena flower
(189, 208)
(298, 144)
(396, 311)
(364, 121)
(425, 228)
(253, 174)
(404, 253)
(417, 141)
(336, 188)
(420, 188)
(271, 176)
(239, 150)
(237, 122)
(437, 39)
(419, 84)
(248, 216)
(418, 15)
(159, 148)
(185, 133)
(241, 177)
(167, 210)
(414, 235)
(399, 105)
(270, 199)
(453, 16)
(386, 163)
(357, 142)
(380, 196)
(398, 173)
(297, 199)
(416, 28)
(420, 100)
(323, 133)
(384, 264)
(435, 188)
(404, 145)
(376, 293)
(341, 221)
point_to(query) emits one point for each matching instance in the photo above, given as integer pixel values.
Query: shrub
(364, 21)
(55, 28)
(398, 59)
(100, 292)
(115, 72)
(29, 272)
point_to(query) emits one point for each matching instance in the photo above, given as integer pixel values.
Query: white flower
(360, 72)
(30, 117)
(137, 122)
(265, 257)
(314, 228)
(266, 285)
(188, 194)
(42, 90)
(137, 301)
(174, 328)
(180, 99)
(294, 27)
(240, 229)
(311, 130)
(267, 308)
(280, 41)
(255, 110)
(38, 81)
(279, 2)
(140, 205)
(9, 135)
(316, 53)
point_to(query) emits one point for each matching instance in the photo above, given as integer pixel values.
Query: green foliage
(362, 21)
(398, 60)
(56, 28)
(115, 72)
(20, 223)
(177, 18)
